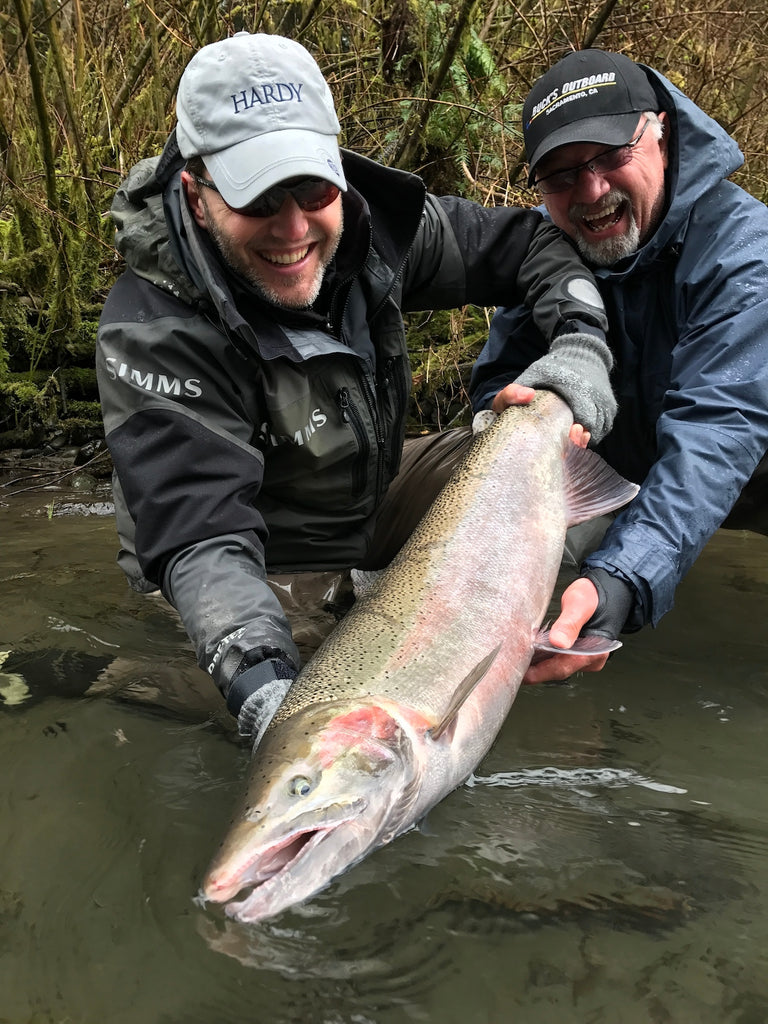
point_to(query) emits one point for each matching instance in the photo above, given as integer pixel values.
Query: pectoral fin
(463, 690)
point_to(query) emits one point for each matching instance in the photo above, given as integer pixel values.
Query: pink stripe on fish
(366, 729)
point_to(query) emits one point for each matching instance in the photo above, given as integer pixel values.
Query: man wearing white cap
(636, 174)
(252, 359)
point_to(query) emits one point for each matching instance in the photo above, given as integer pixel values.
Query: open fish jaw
(314, 865)
(265, 889)
(262, 859)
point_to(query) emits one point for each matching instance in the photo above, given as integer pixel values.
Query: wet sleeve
(219, 588)
(713, 427)
(179, 434)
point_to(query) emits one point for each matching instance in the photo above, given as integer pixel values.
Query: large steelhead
(405, 697)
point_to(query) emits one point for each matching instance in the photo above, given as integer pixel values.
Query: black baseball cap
(588, 96)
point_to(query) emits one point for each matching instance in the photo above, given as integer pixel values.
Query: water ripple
(572, 778)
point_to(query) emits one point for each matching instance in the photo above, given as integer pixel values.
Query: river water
(607, 862)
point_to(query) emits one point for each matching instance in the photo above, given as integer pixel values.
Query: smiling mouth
(607, 218)
(285, 259)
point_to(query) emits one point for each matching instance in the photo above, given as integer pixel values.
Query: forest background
(87, 88)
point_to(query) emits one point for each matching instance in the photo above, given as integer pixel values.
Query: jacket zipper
(371, 398)
(393, 380)
(350, 415)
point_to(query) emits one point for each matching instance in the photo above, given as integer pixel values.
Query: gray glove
(577, 367)
(257, 693)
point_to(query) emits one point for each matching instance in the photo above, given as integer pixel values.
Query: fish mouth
(276, 874)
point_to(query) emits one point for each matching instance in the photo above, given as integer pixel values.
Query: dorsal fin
(463, 690)
(592, 487)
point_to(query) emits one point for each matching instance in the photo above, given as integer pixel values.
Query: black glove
(256, 693)
(578, 367)
(614, 603)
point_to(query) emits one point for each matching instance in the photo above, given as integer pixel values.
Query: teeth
(602, 219)
(286, 258)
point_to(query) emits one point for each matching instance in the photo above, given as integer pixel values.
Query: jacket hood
(702, 154)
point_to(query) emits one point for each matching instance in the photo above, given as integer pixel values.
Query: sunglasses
(610, 160)
(311, 194)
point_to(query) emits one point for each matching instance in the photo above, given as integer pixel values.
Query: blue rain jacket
(688, 316)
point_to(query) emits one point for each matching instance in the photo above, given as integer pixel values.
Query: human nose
(590, 185)
(290, 221)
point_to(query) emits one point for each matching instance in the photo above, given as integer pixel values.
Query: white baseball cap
(258, 111)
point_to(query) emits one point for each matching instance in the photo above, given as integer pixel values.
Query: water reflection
(606, 862)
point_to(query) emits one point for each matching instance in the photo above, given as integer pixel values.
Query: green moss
(33, 407)
(76, 430)
(90, 411)
(25, 406)
(80, 382)
(82, 343)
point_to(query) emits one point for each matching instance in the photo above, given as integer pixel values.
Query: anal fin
(592, 644)
(592, 486)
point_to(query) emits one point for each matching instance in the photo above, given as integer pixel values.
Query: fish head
(326, 786)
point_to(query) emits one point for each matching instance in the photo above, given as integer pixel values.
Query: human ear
(193, 199)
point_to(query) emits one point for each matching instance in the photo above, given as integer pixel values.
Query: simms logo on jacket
(149, 380)
(275, 92)
(317, 419)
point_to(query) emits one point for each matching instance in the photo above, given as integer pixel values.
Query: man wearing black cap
(636, 174)
(252, 360)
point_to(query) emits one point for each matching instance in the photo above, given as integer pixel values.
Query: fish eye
(300, 785)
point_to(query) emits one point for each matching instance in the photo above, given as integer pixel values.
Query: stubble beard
(245, 269)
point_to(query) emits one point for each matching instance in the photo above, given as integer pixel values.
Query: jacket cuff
(253, 678)
(615, 599)
(580, 327)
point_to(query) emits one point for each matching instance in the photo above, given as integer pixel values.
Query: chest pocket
(316, 437)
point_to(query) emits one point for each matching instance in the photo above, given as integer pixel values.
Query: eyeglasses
(311, 194)
(609, 160)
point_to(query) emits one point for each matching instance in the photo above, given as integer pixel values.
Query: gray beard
(609, 250)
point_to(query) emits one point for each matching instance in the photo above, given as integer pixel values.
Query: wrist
(579, 327)
(253, 677)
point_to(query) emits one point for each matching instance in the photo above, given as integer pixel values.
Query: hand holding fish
(264, 687)
(577, 605)
(521, 394)
(596, 604)
(577, 368)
